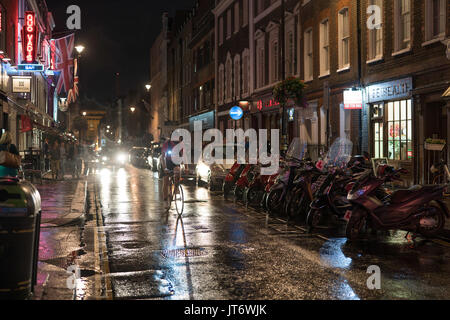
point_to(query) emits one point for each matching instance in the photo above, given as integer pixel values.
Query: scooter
(243, 182)
(419, 209)
(232, 178)
(254, 193)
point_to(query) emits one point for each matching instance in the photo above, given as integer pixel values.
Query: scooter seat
(411, 193)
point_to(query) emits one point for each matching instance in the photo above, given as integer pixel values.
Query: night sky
(118, 36)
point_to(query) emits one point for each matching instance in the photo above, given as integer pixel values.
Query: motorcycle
(254, 193)
(419, 209)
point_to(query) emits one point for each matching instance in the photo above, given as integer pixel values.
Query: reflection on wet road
(220, 250)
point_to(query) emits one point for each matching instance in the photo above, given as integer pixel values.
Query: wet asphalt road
(220, 250)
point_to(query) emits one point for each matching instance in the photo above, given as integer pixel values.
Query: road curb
(78, 209)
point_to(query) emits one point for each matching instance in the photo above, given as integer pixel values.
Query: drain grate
(183, 253)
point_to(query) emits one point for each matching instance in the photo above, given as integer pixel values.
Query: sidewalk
(63, 212)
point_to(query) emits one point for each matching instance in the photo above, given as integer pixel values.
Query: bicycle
(442, 176)
(176, 193)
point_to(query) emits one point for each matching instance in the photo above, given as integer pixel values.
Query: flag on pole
(64, 63)
(72, 95)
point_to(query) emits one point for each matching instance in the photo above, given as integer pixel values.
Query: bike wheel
(294, 206)
(178, 198)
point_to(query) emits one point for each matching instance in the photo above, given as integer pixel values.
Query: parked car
(214, 175)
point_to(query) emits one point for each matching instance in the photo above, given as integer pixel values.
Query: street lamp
(133, 109)
(84, 114)
(148, 87)
(79, 49)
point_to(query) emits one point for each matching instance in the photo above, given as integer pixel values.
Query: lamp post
(284, 120)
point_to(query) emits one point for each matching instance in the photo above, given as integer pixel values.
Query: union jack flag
(64, 62)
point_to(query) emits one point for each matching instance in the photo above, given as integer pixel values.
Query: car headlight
(203, 170)
(122, 158)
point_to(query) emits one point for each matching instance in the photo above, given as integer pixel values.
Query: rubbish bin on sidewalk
(20, 220)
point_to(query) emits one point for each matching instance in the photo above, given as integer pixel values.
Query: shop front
(391, 132)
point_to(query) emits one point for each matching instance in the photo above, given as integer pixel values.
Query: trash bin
(20, 220)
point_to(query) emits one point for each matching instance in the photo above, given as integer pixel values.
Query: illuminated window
(399, 126)
(324, 48)
(402, 24)
(376, 37)
(309, 62)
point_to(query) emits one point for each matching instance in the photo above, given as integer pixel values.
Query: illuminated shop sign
(353, 99)
(393, 90)
(267, 104)
(29, 37)
(31, 67)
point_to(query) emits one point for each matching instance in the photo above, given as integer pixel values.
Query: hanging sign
(236, 113)
(29, 37)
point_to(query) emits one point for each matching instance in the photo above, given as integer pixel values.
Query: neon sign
(268, 104)
(29, 37)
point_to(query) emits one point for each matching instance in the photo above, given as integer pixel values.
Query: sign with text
(29, 37)
(208, 120)
(353, 100)
(21, 84)
(393, 90)
(31, 67)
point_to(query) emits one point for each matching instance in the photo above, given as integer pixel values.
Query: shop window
(399, 126)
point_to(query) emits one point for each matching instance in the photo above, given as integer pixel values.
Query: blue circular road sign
(236, 113)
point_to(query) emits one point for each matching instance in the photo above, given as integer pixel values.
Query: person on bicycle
(168, 167)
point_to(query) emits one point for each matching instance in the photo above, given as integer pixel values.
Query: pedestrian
(7, 145)
(55, 160)
(46, 155)
(63, 159)
(77, 159)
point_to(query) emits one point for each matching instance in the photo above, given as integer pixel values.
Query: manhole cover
(183, 253)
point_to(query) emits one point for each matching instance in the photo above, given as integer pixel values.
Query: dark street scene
(236, 152)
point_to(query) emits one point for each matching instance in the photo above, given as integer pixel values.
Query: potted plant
(290, 92)
(435, 144)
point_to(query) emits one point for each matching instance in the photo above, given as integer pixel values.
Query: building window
(237, 77)
(399, 125)
(274, 62)
(309, 59)
(435, 20)
(237, 19)
(344, 39)
(402, 20)
(375, 50)
(260, 64)
(229, 24)
(228, 80)
(221, 30)
(3, 29)
(220, 89)
(245, 13)
(245, 72)
(324, 48)
(290, 54)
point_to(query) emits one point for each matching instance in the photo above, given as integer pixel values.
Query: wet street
(220, 250)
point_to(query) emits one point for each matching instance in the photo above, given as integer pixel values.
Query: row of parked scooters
(339, 189)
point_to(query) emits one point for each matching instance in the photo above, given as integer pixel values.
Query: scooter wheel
(313, 219)
(440, 217)
(355, 225)
(273, 202)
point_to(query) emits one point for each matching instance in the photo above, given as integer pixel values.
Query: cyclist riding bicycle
(168, 168)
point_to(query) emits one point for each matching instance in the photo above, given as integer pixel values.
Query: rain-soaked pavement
(220, 250)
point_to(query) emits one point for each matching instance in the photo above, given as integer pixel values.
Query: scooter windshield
(297, 149)
(340, 153)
